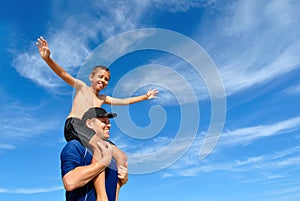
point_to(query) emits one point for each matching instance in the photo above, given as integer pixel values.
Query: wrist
(47, 58)
(98, 166)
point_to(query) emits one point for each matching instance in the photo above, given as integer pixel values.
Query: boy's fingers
(122, 169)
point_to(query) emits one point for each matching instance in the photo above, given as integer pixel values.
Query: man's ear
(89, 123)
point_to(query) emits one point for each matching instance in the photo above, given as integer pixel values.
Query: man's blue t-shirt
(74, 154)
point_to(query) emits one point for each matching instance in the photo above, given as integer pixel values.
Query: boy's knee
(92, 142)
(124, 157)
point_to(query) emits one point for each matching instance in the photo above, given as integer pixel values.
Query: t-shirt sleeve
(71, 156)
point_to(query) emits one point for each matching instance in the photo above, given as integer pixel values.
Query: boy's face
(100, 79)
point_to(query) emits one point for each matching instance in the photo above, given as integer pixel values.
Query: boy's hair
(99, 67)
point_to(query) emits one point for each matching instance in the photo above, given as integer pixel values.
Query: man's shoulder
(74, 149)
(73, 145)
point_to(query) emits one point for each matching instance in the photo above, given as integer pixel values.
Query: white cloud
(244, 136)
(7, 146)
(268, 164)
(253, 41)
(265, 165)
(249, 44)
(21, 124)
(293, 90)
(31, 190)
(70, 32)
(29, 65)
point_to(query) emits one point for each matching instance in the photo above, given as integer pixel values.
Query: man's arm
(81, 175)
(126, 101)
(44, 50)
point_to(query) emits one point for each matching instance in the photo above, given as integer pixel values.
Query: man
(78, 170)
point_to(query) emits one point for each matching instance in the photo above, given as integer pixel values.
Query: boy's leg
(119, 156)
(74, 130)
(99, 184)
(99, 181)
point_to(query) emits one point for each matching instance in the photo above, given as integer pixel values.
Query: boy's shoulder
(102, 96)
(80, 85)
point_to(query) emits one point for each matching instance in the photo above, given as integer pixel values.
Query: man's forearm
(81, 175)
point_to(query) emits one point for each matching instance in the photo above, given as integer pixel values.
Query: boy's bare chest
(89, 99)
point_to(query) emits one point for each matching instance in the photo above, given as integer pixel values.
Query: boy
(85, 98)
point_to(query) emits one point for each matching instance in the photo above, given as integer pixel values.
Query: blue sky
(252, 45)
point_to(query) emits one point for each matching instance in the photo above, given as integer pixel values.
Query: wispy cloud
(293, 90)
(249, 44)
(21, 124)
(70, 40)
(254, 41)
(267, 166)
(244, 136)
(31, 190)
(250, 41)
(7, 146)
(191, 165)
(180, 87)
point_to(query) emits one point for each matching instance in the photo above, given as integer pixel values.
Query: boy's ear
(91, 76)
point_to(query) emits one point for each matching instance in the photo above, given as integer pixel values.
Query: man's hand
(103, 154)
(42, 44)
(151, 93)
(123, 174)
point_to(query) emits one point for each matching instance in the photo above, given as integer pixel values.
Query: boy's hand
(151, 93)
(123, 174)
(42, 44)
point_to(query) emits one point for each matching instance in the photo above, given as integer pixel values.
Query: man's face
(101, 126)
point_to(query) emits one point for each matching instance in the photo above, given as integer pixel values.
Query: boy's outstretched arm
(152, 93)
(44, 50)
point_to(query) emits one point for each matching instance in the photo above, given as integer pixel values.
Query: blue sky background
(255, 47)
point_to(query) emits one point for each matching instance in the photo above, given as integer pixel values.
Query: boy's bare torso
(84, 99)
